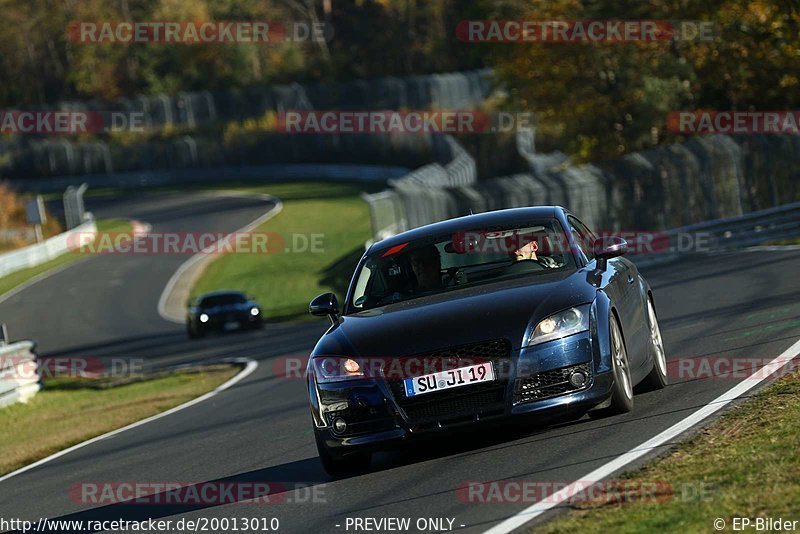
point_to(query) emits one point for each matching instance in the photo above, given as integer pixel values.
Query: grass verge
(67, 412)
(9, 282)
(743, 465)
(284, 282)
(782, 242)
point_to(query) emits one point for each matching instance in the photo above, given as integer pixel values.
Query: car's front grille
(455, 407)
(549, 384)
(484, 398)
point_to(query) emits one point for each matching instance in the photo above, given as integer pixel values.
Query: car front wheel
(657, 378)
(622, 392)
(342, 466)
(193, 332)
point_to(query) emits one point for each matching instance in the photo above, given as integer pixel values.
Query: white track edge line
(537, 509)
(162, 301)
(250, 366)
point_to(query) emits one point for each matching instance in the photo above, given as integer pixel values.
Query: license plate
(463, 376)
(233, 325)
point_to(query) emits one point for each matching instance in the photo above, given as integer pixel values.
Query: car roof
(468, 222)
(222, 293)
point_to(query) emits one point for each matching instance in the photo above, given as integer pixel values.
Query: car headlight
(559, 325)
(254, 311)
(334, 369)
(203, 318)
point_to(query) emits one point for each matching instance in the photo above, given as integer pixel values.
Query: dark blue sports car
(222, 311)
(498, 315)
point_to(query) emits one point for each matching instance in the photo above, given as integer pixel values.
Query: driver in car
(427, 266)
(528, 252)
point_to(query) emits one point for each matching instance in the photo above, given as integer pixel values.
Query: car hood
(491, 311)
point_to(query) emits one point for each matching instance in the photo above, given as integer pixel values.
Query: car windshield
(222, 300)
(465, 258)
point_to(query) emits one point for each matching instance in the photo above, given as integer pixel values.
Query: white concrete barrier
(19, 379)
(45, 251)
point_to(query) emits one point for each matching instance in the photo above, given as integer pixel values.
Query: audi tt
(519, 313)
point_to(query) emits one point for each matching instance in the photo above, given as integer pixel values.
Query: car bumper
(376, 419)
(219, 322)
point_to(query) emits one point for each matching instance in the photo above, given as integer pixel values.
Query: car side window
(584, 237)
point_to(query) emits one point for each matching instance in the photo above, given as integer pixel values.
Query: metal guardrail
(386, 213)
(24, 157)
(275, 172)
(705, 178)
(19, 379)
(419, 197)
(754, 228)
(751, 228)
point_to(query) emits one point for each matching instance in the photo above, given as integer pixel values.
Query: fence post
(74, 211)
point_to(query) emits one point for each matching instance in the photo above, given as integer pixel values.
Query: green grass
(284, 282)
(744, 465)
(64, 413)
(9, 282)
(782, 242)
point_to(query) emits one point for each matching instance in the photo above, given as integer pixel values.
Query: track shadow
(270, 485)
(171, 347)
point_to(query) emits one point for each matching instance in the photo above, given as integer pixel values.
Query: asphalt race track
(733, 304)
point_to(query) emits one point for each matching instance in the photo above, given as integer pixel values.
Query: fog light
(577, 379)
(339, 425)
(203, 318)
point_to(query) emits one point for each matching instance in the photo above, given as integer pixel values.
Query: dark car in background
(222, 311)
(511, 313)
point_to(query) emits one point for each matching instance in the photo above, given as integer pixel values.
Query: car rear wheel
(657, 379)
(622, 392)
(342, 466)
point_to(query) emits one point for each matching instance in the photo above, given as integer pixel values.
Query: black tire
(622, 393)
(194, 333)
(344, 466)
(657, 378)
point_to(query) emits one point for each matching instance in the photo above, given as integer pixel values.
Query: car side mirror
(606, 248)
(325, 305)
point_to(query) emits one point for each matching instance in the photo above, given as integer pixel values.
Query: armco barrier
(421, 196)
(19, 380)
(754, 228)
(706, 178)
(296, 171)
(28, 160)
(45, 251)
(29, 157)
(454, 90)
